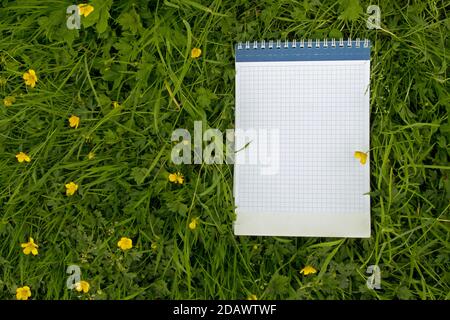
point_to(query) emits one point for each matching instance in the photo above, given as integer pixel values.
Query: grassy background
(137, 53)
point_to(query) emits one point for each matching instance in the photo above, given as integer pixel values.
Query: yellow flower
(85, 9)
(71, 188)
(8, 101)
(74, 121)
(308, 270)
(82, 286)
(116, 105)
(23, 293)
(193, 224)
(362, 156)
(196, 52)
(30, 247)
(91, 155)
(21, 157)
(154, 246)
(252, 297)
(30, 78)
(176, 178)
(125, 243)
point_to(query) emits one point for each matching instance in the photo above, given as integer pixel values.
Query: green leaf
(335, 33)
(351, 10)
(177, 207)
(111, 137)
(138, 174)
(278, 285)
(124, 47)
(130, 21)
(99, 16)
(102, 23)
(204, 97)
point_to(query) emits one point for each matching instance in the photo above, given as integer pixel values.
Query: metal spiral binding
(317, 43)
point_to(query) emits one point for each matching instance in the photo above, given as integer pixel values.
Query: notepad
(302, 111)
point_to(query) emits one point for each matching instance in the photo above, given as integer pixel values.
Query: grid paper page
(318, 115)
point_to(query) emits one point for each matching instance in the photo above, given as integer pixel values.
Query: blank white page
(320, 110)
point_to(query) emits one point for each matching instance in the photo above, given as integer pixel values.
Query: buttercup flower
(85, 9)
(252, 297)
(176, 178)
(22, 156)
(193, 224)
(308, 270)
(74, 121)
(23, 293)
(91, 155)
(82, 286)
(30, 78)
(8, 101)
(125, 243)
(30, 247)
(195, 53)
(71, 188)
(362, 156)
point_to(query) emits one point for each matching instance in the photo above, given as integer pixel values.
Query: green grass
(138, 53)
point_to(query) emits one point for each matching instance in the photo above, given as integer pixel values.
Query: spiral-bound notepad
(302, 111)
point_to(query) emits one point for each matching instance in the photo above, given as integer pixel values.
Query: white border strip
(352, 225)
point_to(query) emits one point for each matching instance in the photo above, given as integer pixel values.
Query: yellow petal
(82, 286)
(362, 156)
(125, 243)
(78, 287)
(27, 250)
(8, 101)
(85, 9)
(30, 78)
(172, 177)
(193, 224)
(21, 157)
(71, 188)
(308, 270)
(74, 121)
(195, 53)
(23, 293)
